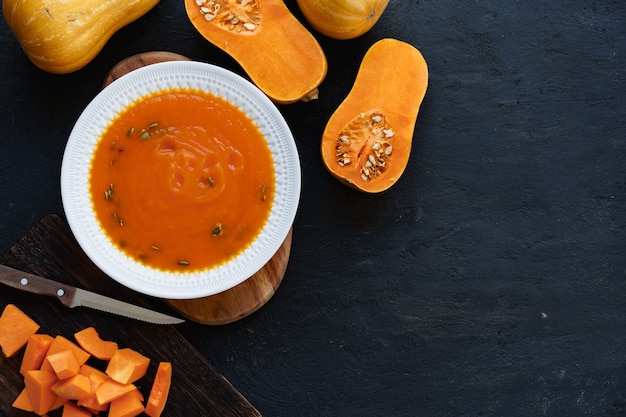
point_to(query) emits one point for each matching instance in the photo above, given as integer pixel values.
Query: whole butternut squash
(62, 36)
(367, 140)
(342, 19)
(277, 52)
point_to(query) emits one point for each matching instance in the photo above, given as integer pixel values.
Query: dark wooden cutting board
(49, 249)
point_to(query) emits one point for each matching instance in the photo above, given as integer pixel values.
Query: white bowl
(76, 166)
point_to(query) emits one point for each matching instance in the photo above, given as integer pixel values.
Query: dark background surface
(489, 281)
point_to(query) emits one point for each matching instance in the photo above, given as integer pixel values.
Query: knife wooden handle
(37, 285)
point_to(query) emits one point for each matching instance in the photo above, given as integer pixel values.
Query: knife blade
(76, 297)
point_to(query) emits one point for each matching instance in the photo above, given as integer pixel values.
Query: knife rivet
(60, 292)
(24, 281)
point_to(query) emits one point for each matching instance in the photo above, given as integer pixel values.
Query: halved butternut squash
(367, 140)
(277, 52)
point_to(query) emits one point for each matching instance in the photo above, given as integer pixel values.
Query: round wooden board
(245, 298)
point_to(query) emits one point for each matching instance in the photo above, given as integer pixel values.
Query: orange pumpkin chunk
(16, 327)
(128, 405)
(160, 390)
(56, 375)
(63, 363)
(90, 341)
(22, 402)
(96, 378)
(38, 386)
(111, 390)
(127, 366)
(74, 388)
(60, 343)
(35, 352)
(73, 410)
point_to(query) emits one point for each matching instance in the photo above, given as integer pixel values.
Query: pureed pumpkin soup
(182, 179)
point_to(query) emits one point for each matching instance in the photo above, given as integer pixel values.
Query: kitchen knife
(76, 297)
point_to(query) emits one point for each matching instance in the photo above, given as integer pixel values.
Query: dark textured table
(489, 281)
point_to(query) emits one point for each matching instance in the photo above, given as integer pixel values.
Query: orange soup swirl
(182, 179)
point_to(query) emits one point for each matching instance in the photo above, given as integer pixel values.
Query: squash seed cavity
(239, 16)
(365, 144)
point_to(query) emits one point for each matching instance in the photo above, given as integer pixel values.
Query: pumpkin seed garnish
(145, 135)
(217, 230)
(108, 193)
(155, 247)
(119, 219)
(263, 192)
(153, 125)
(130, 131)
(183, 262)
(210, 180)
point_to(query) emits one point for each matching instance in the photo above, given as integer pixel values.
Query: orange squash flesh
(73, 410)
(64, 364)
(22, 402)
(160, 390)
(276, 51)
(81, 389)
(15, 330)
(96, 378)
(73, 388)
(35, 352)
(90, 341)
(61, 343)
(127, 366)
(38, 386)
(367, 140)
(129, 405)
(111, 390)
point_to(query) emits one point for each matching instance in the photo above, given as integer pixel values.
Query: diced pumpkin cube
(71, 409)
(39, 388)
(90, 341)
(74, 388)
(63, 363)
(22, 402)
(93, 373)
(129, 405)
(16, 327)
(96, 378)
(60, 402)
(91, 401)
(160, 390)
(111, 390)
(127, 366)
(61, 343)
(35, 352)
